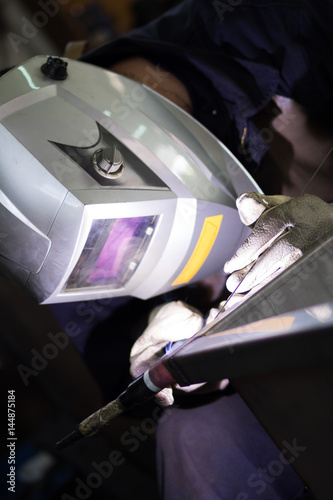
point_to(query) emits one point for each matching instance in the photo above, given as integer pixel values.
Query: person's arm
(156, 78)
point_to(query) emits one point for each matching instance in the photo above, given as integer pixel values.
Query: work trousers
(219, 451)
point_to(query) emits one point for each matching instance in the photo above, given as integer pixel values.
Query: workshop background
(34, 27)
(46, 387)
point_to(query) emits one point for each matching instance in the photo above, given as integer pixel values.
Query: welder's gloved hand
(283, 228)
(170, 322)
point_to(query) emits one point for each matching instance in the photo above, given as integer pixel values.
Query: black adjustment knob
(55, 68)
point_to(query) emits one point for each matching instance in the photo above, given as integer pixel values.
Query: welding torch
(141, 390)
(146, 386)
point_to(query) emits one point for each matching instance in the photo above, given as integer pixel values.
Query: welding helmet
(107, 188)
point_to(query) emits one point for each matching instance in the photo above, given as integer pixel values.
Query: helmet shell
(108, 188)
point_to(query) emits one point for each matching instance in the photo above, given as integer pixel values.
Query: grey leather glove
(171, 322)
(283, 228)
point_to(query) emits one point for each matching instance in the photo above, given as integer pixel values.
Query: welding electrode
(139, 391)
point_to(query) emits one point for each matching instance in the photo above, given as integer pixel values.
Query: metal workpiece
(109, 189)
(287, 324)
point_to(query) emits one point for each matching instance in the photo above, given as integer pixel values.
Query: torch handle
(139, 391)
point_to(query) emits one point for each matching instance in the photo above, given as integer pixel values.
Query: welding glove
(171, 322)
(283, 228)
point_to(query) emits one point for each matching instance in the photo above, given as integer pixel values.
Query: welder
(256, 76)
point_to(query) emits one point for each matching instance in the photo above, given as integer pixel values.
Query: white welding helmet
(107, 188)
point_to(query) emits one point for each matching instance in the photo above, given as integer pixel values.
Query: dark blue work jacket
(234, 55)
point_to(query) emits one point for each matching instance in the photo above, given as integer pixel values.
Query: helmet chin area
(107, 188)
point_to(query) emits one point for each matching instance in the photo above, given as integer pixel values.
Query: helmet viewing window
(113, 250)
